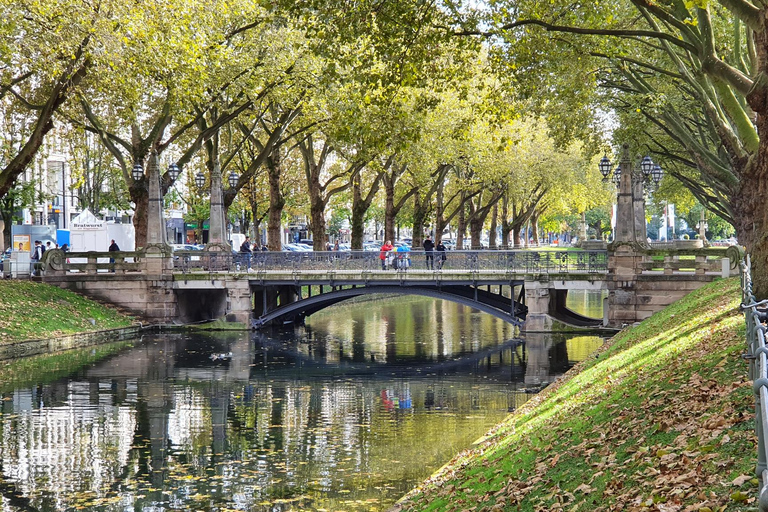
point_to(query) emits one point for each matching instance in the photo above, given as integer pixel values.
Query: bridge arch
(502, 307)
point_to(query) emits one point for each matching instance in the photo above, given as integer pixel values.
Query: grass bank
(30, 310)
(661, 419)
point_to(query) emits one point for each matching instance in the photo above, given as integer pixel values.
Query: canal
(346, 413)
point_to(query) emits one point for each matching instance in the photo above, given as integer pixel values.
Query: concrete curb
(26, 348)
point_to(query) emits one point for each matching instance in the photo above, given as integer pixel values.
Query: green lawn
(30, 310)
(662, 418)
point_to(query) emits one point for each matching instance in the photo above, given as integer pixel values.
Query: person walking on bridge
(429, 247)
(245, 249)
(384, 254)
(440, 249)
(113, 247)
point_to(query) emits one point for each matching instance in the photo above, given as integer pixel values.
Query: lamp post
(630, 199)
(156, 235)
(216, 228)
(703, 225)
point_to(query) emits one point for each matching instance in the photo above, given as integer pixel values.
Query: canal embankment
(661, 418)
(38, 318)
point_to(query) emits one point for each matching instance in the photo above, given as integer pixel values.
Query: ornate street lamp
(656, 174)
(200, 179)
(605, 167)
(233, 179)
(137, 172)
(174, 171)
(651, 171)
(646, 165)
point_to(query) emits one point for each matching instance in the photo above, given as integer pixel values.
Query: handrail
(544, 262)
(755, 314)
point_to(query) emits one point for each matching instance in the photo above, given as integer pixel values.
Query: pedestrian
(245, 249)
(336, 246)
(48, 245)
(403, 257)
(440, 254)
(37, 255)
(113, 247)
(429, 247)
(384, 254)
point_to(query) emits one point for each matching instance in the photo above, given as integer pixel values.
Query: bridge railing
(549, 262)
(58, 262)
(756, 315)
(690, 261)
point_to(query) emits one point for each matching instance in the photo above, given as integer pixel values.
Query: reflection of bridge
(284, 287)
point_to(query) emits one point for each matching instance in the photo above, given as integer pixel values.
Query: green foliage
(338, 217)
(48, 311)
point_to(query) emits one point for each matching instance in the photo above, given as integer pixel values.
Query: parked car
(296, 248)
(185, 247)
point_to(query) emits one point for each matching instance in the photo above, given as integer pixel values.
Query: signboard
(87, 221)
(22, 243)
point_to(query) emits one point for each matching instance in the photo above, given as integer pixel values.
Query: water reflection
(348, 413)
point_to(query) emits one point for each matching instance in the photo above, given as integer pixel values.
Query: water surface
(347, 413)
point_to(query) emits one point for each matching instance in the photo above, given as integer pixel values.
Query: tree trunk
(750, 207)
(440, 222)
(462, 227)
(494, 225)
(358, 215)
(276, 202)
(476, 231)
(420, 212)
(316, 210)
(6, 234)
(389, 210)
(140, 197)
(535, 229)
(506, 224)
(516, 237)
(360, 206)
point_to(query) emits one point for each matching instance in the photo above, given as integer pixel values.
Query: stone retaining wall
(46, 346)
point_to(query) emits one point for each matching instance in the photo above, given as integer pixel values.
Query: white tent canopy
(88, 233)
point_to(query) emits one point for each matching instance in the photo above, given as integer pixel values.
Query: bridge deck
(202, 279)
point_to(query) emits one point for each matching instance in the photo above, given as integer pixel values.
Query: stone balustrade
(683, 261)
(56, 262)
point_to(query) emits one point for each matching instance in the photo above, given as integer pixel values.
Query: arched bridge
(280, 287)
(287, 287)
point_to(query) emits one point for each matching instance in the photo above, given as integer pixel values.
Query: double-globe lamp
(232, 179)
(650, 170)
(138, 171)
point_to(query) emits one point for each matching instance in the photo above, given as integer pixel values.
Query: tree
(174, 91)
(695, 70)
(20, 196)
(47, 50)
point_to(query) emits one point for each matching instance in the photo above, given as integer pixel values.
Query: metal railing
(548, 262)
(756, 314)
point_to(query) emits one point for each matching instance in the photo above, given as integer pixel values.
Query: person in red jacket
(385, 253)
